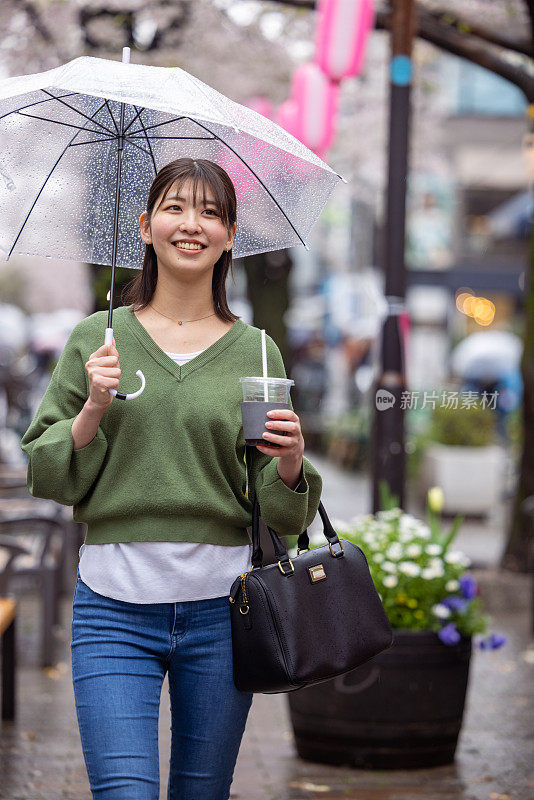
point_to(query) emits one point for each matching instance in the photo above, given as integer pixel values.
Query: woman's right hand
(104, 374)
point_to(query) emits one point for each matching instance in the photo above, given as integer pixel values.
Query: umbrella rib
(204, 138)
(111, 115)
(58, 122)
(159, 124)
(137, 115)
(93, 141)
(139, 112)
(147, 152)
(72, 108)
(35, 103)
(43, 186)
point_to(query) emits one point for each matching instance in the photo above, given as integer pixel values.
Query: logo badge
(317, 573)
(384, 400)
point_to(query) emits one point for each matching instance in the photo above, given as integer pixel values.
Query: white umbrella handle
(114, 392)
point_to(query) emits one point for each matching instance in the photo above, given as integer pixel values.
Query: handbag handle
(280, 551)
(303, 543)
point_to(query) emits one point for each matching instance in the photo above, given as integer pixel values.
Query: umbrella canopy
(63, 131)
(81, 144)
(487, 355)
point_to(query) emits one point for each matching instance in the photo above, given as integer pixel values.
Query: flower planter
(470, 477)
(402, 709)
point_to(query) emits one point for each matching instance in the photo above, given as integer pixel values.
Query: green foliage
(353, 424)
(470, 426)
(388, 500)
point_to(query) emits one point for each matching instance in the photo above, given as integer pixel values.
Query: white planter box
(471, 478)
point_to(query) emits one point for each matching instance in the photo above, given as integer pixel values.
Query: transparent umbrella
(81, 144)
(487, 355)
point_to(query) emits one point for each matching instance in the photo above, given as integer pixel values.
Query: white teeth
(188, 246)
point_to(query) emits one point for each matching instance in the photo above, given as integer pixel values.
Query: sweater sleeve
(287, 511)
(55, 470)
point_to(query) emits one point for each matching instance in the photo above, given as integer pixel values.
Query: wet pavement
(41, 757)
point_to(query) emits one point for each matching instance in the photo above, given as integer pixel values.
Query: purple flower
(493, 641)
(449, 634)
(468, 586)
(455, 603)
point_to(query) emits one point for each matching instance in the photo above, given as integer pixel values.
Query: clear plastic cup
(254, 407)
(277, 389)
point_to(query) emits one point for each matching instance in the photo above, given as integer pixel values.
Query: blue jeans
(120, 653)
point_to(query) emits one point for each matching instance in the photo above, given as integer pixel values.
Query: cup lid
(282, 381)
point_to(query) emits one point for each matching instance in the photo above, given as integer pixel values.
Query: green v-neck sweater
(168, 465)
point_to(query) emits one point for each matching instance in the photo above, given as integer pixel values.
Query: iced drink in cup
(261, 395)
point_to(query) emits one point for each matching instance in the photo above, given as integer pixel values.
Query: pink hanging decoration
(285, 115)
(316, 98)
(262, 105)
(342, 32)
(244, 182)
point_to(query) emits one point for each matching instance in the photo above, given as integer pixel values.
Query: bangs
(200, 185)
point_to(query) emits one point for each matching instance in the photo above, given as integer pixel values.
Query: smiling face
(176, 219)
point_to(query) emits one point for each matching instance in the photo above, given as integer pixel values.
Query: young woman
(162, 485)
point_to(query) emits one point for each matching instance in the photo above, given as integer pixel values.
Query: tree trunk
(268, 292)
(520, 539)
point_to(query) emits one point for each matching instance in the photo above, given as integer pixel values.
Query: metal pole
(389, 457)
(120, 149)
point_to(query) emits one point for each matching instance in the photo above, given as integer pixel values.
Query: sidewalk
(41, 758)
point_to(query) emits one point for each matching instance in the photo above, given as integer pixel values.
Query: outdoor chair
(42, 541)
(8, 609)
(9, 551)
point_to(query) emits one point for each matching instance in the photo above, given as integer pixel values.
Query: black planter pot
(402, 709)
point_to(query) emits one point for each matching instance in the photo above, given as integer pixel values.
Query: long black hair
(140, 290)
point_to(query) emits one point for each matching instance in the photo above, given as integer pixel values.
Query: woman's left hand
(291, 444)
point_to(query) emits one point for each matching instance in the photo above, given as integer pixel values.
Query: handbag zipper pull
(243, 608)
(233, 595)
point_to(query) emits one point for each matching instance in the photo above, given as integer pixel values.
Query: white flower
(378, 557)
(392, 513)
(407, 521)
(409, 568)
(441, 611)
(389, 566)
(414, 550)
(434, 549)
(435, 563)
(451, 586)
(369, 538)
(456, 557)
(390, 581)
(394, 551)
(406, 536)
(423, 531)
(428, 573)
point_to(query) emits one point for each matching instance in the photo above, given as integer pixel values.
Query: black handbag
(306, 619)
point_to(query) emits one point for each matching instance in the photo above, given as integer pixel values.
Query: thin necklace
(181, 322)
